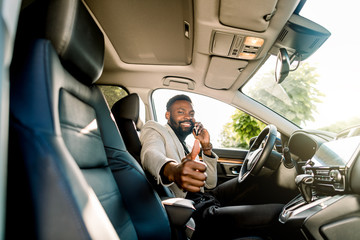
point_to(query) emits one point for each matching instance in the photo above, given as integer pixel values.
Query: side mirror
(282, 67)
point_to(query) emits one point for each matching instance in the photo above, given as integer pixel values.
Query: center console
(326, 217)
(327, 207)
(328, 179)
(297, 210)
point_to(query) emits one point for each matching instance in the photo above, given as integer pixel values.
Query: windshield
(323, 93)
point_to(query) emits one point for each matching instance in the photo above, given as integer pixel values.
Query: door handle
(235, 170)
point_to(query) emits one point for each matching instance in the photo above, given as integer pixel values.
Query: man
(167, 157)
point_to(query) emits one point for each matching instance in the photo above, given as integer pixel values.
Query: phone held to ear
(196, 129)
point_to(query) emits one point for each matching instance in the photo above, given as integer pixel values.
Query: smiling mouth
(186, 124)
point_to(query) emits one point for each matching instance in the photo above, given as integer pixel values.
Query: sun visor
(253, 15)
(223, 72)
(148, 32)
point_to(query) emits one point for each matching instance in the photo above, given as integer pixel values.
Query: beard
(179, 130)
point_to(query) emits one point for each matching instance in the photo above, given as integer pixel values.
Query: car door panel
(229, 163)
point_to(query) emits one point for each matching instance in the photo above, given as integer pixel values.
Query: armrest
(179, 210)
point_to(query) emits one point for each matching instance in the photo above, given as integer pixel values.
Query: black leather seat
(77, 180)
(126, 114)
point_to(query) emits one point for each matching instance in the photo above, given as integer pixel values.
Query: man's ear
(167, 115)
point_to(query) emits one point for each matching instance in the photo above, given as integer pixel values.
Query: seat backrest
(126, 114)
(82, 181)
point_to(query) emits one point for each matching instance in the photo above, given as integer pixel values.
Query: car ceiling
(160, 43)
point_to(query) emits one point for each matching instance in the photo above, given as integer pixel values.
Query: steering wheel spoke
(254, 157)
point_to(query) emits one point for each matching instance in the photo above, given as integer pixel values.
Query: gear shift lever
(304, 183)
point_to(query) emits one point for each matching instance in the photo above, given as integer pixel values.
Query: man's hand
(189, 175)
(203, 136)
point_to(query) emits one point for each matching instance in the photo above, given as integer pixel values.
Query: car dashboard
(328, 206)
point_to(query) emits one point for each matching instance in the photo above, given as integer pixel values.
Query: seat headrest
(127, 108)
(73, 33)
(76, 38)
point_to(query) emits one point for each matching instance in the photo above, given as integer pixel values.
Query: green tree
(239, 132)
(295, 98)
(112, 93)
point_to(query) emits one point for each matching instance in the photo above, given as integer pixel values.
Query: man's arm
(187, 174)
(153, 153)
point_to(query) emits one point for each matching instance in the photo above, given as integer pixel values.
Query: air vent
(282, 35)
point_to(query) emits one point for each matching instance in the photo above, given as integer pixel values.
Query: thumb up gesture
(190, 174)
(194, 152)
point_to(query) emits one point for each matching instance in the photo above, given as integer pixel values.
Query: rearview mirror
(282, 67)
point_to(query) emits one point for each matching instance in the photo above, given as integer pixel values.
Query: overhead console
(225, 47)
(241, 40)
(235, 45)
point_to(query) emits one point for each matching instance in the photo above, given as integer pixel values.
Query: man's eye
(180, 112)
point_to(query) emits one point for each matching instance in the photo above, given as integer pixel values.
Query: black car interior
(76, 170)
(328, 204)
(66, 150)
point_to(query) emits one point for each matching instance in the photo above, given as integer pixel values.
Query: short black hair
(177, 98)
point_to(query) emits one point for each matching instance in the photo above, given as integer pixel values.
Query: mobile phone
(196, 129)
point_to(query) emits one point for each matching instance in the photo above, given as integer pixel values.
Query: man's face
(181, 117)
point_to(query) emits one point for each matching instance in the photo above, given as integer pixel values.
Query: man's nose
(188, 117)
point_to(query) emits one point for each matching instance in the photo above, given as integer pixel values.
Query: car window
(112, 93)
(115, 93)
(228, 126)
(322, 93)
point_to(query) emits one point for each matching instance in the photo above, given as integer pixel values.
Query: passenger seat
(126, 114)
(77, 179)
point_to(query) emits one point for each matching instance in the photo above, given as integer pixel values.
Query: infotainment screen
(337, 152)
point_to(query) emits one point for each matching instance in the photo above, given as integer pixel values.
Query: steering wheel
(258, 153)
